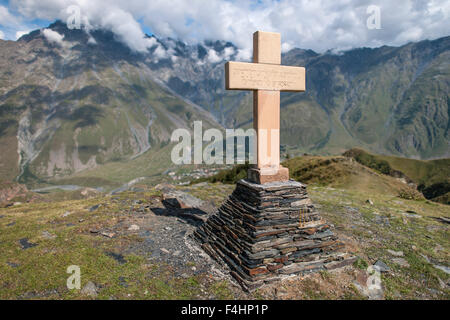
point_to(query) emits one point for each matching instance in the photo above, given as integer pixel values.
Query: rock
(438, 248)
(116, 256)
(371, 292)
(177, 253)
(123, 282)
(25, 244)
(381, 266)
(133, 227)
(395, 253)
(168, 228)
(442, 268)
(411, 214)
(48, 235)
(200, 184)
(352, 210)
(265, 231)
(441, 283)
(90, 289)
(302, 202)
(401, 262)
(15, 265)
(179, 199)
(89, 192)
(108, 234)
(93, 208)
(66, 214)
(156, 254)
(443, 219)
(425, 257)
(369, 201)
(382, 220)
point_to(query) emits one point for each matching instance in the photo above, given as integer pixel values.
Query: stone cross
(266, 77)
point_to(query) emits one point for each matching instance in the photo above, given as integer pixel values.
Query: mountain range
(89, 106)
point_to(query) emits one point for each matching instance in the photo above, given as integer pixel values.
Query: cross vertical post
(266, 77)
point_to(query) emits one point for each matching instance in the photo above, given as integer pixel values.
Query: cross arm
(259, 76)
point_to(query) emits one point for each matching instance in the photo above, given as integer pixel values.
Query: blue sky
(10, 30)
(313, 24)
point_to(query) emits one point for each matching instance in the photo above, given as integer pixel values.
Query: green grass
(420, 171)
(420, 280)
(333, 171)
(431, 176)
(41, 270)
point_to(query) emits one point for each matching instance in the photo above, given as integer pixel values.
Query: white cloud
(53, 36)
(244, 54)
(6, 18)
(160, 52)
(318, 25)
(21, 33)
(228, 52)
(286, 46)
(91, 40)
(213, 57)
(2, 35)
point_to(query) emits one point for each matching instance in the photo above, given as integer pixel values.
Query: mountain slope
(71, 107)
(391, 100)
(432, 177)
(74, 107)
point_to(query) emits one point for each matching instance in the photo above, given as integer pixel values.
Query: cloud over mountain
(319, 25)
(53, 36)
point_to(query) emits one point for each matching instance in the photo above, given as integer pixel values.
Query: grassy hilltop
(135, 245)
(359, 170)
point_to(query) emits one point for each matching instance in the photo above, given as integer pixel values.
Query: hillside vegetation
(360, 170)
(78, 107)
(432, 177)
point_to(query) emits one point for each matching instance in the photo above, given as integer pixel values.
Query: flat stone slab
(272, 186)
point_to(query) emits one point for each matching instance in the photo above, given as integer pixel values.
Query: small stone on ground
(133, 227)
(401, 262)
(90, 289)
(381, 266)
(395, 253)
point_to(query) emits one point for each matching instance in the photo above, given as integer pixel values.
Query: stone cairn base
(264, 232)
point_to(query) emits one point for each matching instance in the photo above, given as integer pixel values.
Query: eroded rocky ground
(136, 245)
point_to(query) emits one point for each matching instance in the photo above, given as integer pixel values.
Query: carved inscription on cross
(266, 77)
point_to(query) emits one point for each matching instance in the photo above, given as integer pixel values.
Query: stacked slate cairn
(265, 232)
